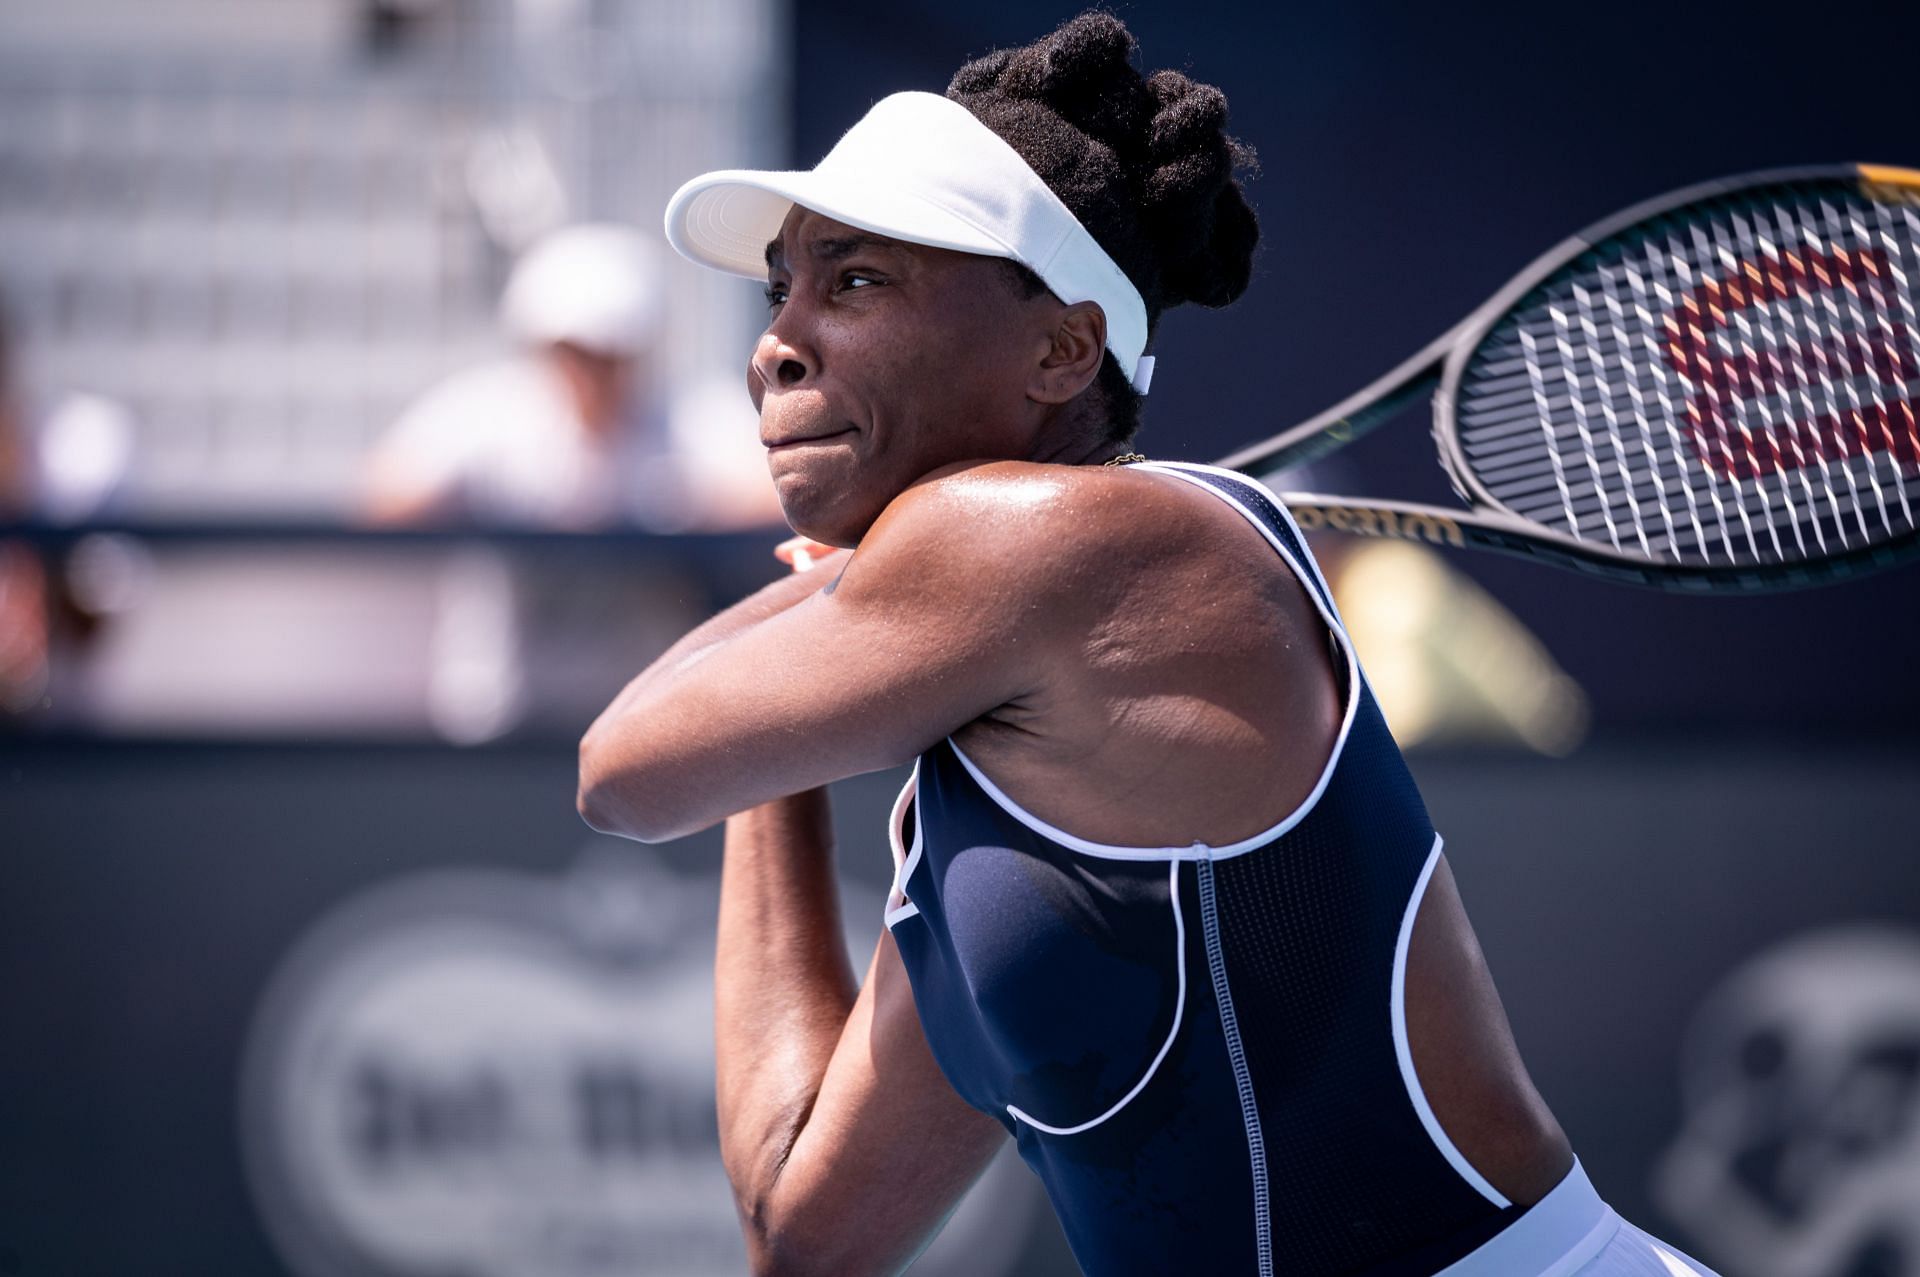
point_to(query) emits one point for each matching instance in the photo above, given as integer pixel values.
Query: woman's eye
(776, 294)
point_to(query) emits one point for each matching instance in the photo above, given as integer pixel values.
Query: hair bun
(1188, 130)
(981, 75)
(1083, 73)
(1145, 163)
(1090, 52)
(1191, 186)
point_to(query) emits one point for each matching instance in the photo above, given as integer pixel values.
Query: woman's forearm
(783, 986)
(748, 612)
(599, 799)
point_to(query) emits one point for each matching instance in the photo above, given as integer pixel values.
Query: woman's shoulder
(1081, 539)
(1061, 509)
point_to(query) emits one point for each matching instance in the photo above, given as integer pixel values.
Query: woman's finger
(801, 553)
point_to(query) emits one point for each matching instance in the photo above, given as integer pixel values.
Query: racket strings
(1728, 402)
(1886, 366)
(1857, 410)
(1905, 320)
(1794, 373)
(1730, 383)
(1537, 381)
(1841, 405)
(1615, 451)
(1652, 298)
(1823, 374)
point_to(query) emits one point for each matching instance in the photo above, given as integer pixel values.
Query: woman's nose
(779, 363)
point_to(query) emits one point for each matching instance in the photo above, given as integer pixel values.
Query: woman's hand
(804, 553)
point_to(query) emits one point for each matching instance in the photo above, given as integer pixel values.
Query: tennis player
(1167, 908)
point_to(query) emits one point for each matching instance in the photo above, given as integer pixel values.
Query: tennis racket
(1714, 390)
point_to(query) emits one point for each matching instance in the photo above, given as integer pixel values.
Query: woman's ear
(1072, 360)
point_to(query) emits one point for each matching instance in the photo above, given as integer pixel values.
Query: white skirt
(1572, 1233)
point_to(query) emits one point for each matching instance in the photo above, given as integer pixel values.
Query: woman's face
(882, 361)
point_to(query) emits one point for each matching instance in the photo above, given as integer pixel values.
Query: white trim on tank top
(1279, 506)
(1403, 1047)
(1173, 1030)
(904, 862)
(904, 859)
(1322, 599)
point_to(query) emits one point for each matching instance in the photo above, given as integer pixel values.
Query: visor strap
(1142, 374)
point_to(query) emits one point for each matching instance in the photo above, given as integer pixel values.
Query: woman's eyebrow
(835, 248)
(847, 245)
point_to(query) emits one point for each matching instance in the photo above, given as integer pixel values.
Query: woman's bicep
(887, 1152)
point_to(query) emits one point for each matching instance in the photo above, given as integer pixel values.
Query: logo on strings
(1756, 411)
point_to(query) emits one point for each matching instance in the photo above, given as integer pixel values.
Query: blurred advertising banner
(341, 1010)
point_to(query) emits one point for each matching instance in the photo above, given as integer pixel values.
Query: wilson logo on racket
(1734, 431)
(1378, 521)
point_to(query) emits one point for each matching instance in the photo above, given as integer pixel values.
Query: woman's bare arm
(809, 578)
(845, 1146)
(783, 987)
(963, 597)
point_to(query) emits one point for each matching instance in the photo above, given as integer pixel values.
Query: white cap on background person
(596, 286)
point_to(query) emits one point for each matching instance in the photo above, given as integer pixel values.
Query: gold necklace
(1124, 459)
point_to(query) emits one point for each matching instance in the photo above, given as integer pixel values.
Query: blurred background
(359, 438)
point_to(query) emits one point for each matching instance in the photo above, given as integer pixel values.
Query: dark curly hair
(1144, 162)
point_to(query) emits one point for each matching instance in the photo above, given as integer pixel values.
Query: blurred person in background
(13, 462)
(579, 430)
(576, 432)
(66, 466)
(23, 580)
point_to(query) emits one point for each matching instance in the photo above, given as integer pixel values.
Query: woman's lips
(800, 441)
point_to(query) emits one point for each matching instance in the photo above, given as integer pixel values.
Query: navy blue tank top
(1201, 1050)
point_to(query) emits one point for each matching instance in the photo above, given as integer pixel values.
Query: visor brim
(726, 219)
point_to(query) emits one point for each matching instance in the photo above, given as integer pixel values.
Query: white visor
(919, 167)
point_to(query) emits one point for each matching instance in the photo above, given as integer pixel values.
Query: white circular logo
(1799, 1155)
(503, 1075)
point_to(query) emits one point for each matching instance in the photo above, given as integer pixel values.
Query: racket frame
(1490, 524)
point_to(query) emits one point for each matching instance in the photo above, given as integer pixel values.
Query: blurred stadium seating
(261, 228)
